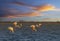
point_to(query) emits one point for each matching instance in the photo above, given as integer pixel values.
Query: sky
(30, 10)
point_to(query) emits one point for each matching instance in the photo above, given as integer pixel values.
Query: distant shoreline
(28, 22)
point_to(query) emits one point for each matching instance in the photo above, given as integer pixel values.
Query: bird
(16, 25)
(38, 25)
(11, 29)
(33, 27)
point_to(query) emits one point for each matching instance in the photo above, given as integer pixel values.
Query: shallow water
(47, 32)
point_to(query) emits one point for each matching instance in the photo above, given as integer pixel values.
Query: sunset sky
(30, 10)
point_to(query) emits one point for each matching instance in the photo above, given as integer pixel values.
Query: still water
(45, 32)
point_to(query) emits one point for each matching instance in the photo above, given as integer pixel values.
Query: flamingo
(33, 27)
(16, 25)
(38, 25)
(11, 29)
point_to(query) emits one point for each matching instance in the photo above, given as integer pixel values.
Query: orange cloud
(31, 14)
(43, 8)
(11, 13)
(18, 13)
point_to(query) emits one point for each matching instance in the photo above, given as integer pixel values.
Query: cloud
(56, 9)
(17, 13)
(43, 8)
(31, 14)
(37, 11)
(51, 19)
(46, 7)
(20, 3)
